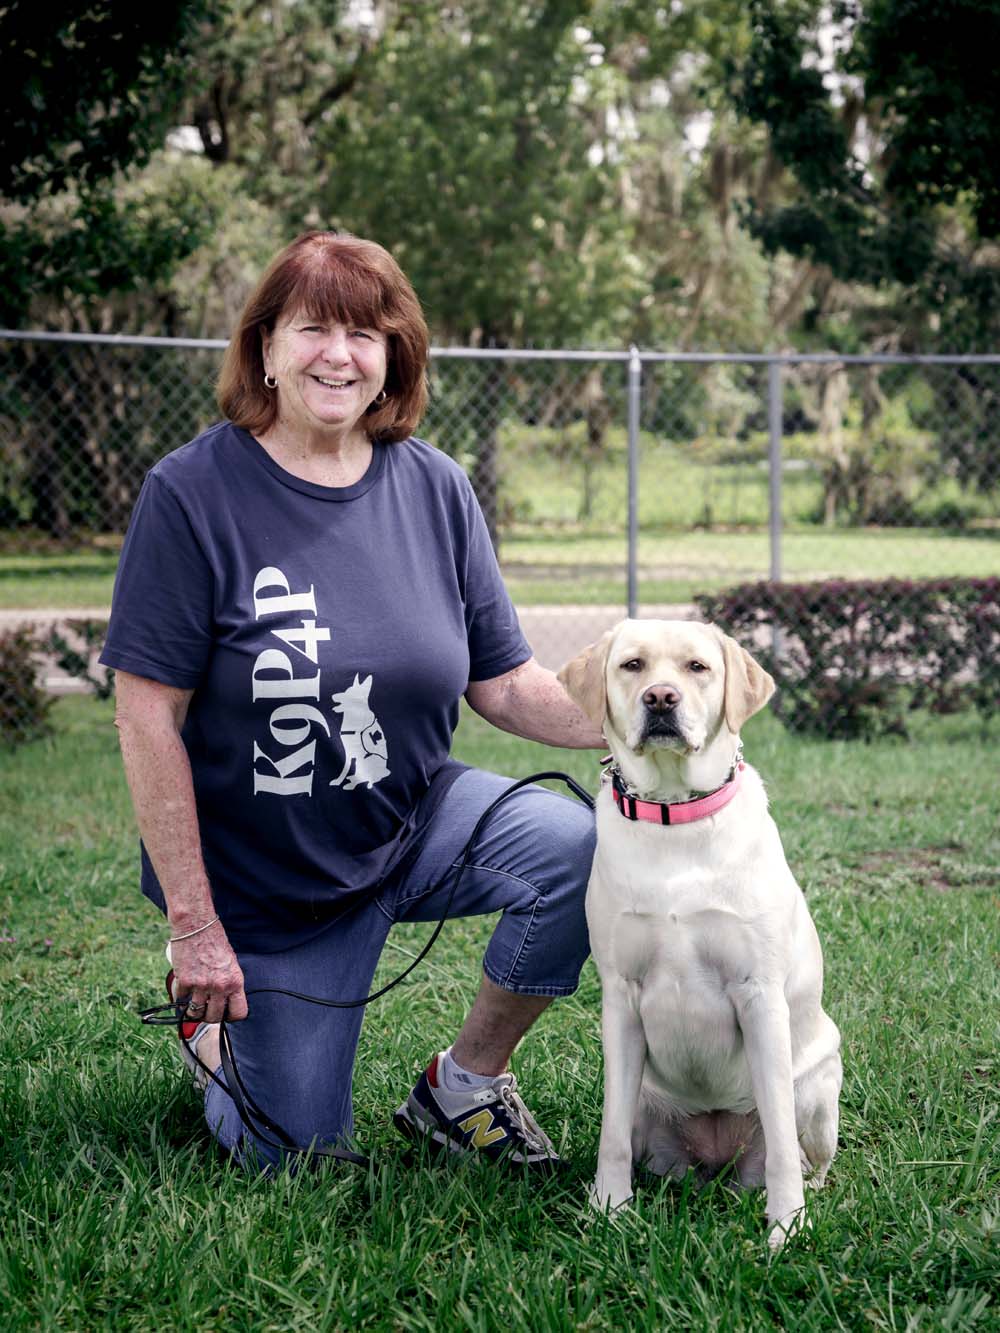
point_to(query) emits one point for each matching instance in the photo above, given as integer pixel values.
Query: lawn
(66, 579)
(117, 1215)
(673, 567)
(566, 567)
(703, 526)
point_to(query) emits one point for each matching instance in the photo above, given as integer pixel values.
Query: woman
(305, 593)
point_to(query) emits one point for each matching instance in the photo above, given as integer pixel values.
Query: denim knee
(541, 941)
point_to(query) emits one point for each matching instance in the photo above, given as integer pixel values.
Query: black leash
(253, 1116)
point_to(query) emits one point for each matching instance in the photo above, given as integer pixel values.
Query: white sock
(457, 1079)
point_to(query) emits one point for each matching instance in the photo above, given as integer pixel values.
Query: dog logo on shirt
(365, 749)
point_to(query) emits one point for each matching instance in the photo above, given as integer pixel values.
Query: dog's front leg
(624, 1058)
(764, 1021)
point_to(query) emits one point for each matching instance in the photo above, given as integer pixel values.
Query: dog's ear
(583, 678)
(748, 686)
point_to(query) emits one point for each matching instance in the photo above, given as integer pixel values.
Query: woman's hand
(149, 717)
(207, 970)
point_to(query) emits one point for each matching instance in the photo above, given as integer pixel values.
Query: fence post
(634, 407)
(774, 406)
(774, 415)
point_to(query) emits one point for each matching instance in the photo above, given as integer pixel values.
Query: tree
(531, 165)
(89, 89)
(887, 117)
(466, 150)
(90, 92)
(87, 242)
(77, 419)
(268, 74)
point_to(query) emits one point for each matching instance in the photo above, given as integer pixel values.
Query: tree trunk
(485, 472)
(598, 417)
(834, 394)
(40, 436)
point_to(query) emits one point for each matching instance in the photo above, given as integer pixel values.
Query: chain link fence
(612, 482)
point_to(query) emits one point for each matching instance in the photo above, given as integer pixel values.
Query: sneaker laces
(533, 1133)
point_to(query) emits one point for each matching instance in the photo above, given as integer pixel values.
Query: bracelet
(175, 939)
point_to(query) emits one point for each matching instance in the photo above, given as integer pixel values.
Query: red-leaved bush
(852, 657)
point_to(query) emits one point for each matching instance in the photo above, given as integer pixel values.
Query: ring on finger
(197, 1008)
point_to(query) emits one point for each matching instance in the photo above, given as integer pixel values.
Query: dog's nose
(661, 698)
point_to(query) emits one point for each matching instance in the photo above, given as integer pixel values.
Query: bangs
(340, 289)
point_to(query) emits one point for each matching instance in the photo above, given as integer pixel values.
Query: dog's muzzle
(659, 719)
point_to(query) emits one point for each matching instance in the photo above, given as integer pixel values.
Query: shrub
(984, 644)
(75, 658)
(851, 658)
(24, 704)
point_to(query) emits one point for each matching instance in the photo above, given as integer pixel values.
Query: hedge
(852, 657)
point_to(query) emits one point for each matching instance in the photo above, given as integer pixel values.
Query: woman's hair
(337, 279)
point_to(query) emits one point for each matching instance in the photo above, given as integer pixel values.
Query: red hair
(337, 279)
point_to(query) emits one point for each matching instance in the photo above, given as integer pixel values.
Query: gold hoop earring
(270, 382)
(380, 397)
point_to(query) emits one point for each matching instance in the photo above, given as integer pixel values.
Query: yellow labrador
(716, 1046)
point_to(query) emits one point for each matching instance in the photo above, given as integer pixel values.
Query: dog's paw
(784, 1228)
(816, 1179)
(607, 1199)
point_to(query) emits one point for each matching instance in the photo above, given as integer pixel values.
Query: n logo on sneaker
(480, 1126)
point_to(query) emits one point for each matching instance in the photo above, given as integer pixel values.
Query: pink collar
(681, 812)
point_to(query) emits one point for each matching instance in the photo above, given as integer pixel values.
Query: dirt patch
(941, 868)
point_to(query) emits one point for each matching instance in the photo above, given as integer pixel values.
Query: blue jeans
(531, 862)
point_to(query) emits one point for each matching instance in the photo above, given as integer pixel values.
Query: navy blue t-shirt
(328, 634)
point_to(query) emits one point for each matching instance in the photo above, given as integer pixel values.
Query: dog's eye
(697, 666)
(633, 664)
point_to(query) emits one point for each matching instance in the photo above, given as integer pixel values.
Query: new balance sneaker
(492, 1120)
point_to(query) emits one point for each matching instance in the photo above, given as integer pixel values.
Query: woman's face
(328, 374)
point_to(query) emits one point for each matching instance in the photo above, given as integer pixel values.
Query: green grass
(676, 489)
(673, 567)
(703, 526)
(64, 579)
(117, 1215)
(547, 477)
(565, 567)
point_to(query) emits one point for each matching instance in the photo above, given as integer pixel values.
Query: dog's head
(666, 684)
(353, 703)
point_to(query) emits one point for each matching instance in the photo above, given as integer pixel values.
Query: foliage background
(783, 174)
(567, 172)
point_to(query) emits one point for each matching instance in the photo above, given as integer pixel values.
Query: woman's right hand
(207, 970)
